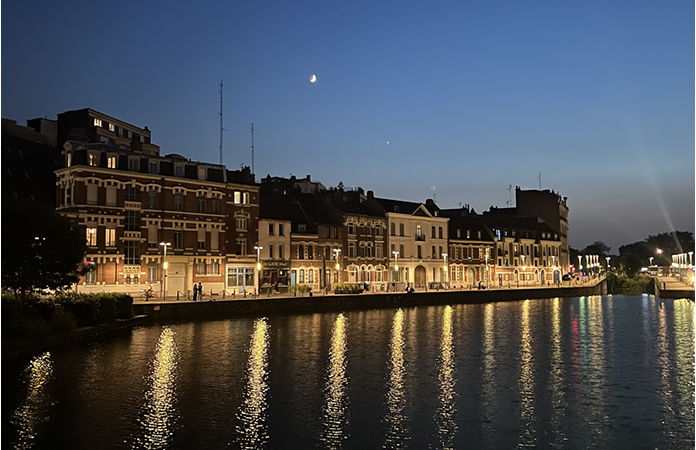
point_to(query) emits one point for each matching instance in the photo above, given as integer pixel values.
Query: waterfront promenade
(671, 287)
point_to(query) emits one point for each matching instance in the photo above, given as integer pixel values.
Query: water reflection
(489, 375)
(557, 396)
(252, 431)
(446, 426)
(397, 433)
(336, 386)
(526, 383)
(596, 387)
(33, 410)
(160, 414)
(683, 333)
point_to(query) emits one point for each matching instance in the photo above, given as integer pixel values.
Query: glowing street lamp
(524, 269)
(651, 259)
(165, 265)
(396, 264)
(258, 268)
(444, 257)
(338, 266)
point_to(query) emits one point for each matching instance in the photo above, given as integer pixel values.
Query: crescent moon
(313, 78)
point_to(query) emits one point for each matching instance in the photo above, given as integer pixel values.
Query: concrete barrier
(329, 303)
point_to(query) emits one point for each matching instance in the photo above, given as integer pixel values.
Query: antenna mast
(221, 122)
(539, 180)
(252, 148)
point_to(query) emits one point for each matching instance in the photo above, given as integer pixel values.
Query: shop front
(274, 276)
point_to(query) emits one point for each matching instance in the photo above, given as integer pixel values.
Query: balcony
(420, 237)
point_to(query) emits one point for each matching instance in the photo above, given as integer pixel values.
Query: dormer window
(112, 127)
(97, 122)
(92, 159)
(302, 228)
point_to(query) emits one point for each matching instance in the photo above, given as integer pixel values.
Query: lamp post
(485, 275)
(444, 257)
(258, 269)
(691, 260)
(396, 264)
(608, 258)
(524, 269)
(338, 266)
(651, 259)
(164, 269)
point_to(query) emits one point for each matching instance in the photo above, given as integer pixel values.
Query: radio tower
(221, 122)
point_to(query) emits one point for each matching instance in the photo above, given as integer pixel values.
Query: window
(92, 194)
(215, 205)
(153, 167)
(271, 229)
(152, 272)
(104, 139)
(301, 275)
(93, 159)
(419, 232)
(351, 228)
(237, 198)
(401, 229)
(439, 249)
(201, 245)
(132, 222)
(310, 252)
(432, 232)
(120, 131)
(401, 251)
(245, 198)
(132, 194)
(420, 254)
(378, 231)
(393, 229)
(241, 247)
(131, 250)
(68, 160)
(378, 251)
(91, 236)
(111, 162)
(178, 239)
(241, 223)
(178, 201)
(302, 228)
(200, 268)
(130, 134)
(201, 203)
(280, 251)
(97, 122)
(300, 251)
(281, 229)
(152, 199)
(110, 237)
(179, 170)
(270, 251)
(434, 254)
(215, 268)
(351, 249)
(142, 139)
(112, 127)
(133, 164)
(439, 232)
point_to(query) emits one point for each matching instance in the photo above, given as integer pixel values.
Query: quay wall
(329, 303)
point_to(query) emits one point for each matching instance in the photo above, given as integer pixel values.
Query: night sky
(456, 100)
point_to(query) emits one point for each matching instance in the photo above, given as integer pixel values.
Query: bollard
(177, 296)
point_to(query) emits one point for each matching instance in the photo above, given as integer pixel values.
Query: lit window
(215, 268)
(97, 122)
(112, 127)
(91, 276)
(93, 159)
(110, 237)
(91, 237)
(111, 162)
(245, 198)
(200, 268)
(237, 197)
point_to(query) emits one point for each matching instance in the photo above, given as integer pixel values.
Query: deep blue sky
(472, 96)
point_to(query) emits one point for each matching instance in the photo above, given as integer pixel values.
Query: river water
(577, 373)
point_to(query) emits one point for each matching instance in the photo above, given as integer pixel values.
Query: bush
(107, 307)
(347, 288)
(34, 328)
(84, 307)
(62, 321)
(124, 306)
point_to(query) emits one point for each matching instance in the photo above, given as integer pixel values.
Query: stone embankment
(171, 310)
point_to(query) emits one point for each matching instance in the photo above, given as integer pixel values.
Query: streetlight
(258, 268)
(524, 269)
(608, 258)
(164, 269)
(485, 275)
(338, 266)
(444, 257)
(396, 264)
(691, 260)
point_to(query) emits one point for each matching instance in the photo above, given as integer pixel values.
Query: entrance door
(420, 277)
(176, 279)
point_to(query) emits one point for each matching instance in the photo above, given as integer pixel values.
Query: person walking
(195, 292)
(200, 291)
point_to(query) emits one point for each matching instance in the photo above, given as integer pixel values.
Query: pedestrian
(200, 291)
(195, 292)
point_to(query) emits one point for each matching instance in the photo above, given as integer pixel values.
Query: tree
(41, 250)
(597, 248)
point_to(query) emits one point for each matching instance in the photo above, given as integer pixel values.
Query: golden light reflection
(336, 387)
(397, 433)
(446, 426)
(33, 410)
(557, 366)
(684, 349)
(252, 430)
(597, 370)
(160, 414)
(489, 372)
(526, 383)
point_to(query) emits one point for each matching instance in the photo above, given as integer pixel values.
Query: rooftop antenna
(221, 129)
(510, 191)
(252, 148)
(539, 180)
